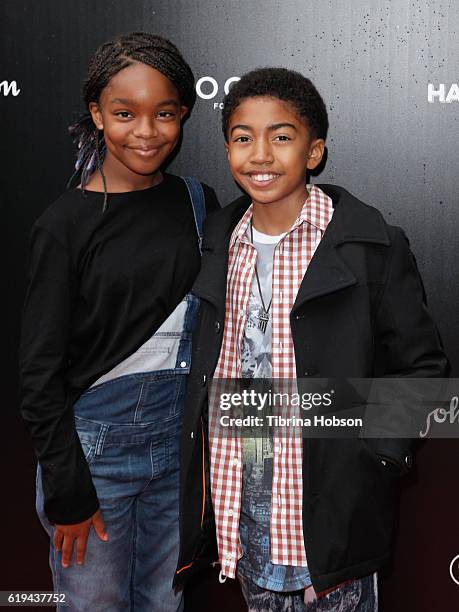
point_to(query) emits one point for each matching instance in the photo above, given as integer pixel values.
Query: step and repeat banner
(389, 74)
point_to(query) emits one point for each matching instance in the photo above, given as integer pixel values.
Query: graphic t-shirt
(258, 452)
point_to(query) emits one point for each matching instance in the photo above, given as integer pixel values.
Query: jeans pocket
(88, 451)
(162, 401)
(91, 435)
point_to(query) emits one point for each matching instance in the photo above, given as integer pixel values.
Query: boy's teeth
(263, 177)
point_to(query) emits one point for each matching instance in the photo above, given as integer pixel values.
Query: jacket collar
(352, 221)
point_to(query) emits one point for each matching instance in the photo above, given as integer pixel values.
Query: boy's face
(269, 149)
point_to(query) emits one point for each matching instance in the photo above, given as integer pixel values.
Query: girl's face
(140, 113)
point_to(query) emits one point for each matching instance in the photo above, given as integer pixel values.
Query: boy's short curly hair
(284, 84)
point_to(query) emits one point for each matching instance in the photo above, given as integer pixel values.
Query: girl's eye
(242, 139)
(166, 114)
(123, 114)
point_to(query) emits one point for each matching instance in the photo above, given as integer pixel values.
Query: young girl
(106, 334)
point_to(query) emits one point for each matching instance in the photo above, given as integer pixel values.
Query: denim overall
(129, 429)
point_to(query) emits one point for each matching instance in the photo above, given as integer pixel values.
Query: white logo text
(442, 94)
(9, 87)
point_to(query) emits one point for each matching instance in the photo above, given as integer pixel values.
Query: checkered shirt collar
(313, 212)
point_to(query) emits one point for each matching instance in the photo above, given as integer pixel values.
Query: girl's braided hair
(109, 59)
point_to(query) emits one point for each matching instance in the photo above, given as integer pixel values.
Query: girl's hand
(65, 535)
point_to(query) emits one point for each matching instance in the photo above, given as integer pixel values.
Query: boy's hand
(65, 535)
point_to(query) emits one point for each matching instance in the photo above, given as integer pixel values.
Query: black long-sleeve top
(100, 285)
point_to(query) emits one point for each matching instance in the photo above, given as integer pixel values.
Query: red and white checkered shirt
(290, 261)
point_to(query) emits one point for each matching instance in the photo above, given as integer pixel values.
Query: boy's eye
(282, 138)
(166, 114)
(242, 139)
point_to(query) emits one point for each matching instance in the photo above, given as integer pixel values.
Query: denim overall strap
(183, 362)
(198, 203)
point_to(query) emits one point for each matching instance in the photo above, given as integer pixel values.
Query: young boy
(297, 280)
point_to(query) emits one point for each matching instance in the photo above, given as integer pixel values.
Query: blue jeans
(360, 595)
(129, 430)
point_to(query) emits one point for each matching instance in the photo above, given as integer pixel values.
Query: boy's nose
(261, 153)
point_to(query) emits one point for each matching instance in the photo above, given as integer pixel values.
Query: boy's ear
(227, 150)
(96, 115)
(316, 152)
(183, 112)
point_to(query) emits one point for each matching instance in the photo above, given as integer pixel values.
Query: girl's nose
(145, 128)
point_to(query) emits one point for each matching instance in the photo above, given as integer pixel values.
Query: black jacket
(360, 312)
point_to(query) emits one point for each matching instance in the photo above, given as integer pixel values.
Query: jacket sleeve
(412, 348)
(46, 406)
(212, 203)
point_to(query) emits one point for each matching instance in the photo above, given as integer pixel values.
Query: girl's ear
(183, 112)
(96, 115)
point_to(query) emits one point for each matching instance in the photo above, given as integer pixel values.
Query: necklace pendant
(263, 318)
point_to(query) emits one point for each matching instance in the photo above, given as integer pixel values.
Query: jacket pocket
(350, 505)
(391, 469)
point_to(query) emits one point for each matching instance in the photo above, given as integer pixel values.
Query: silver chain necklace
(263, 313)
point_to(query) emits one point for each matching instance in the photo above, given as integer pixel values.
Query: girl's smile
(143, 151)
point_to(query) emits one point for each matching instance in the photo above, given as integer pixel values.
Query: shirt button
(192, 435)
(183, 364)
(204, 380)
(278, 449)
(235, 461)
(230, 512)
(217, 327)
(279, 500)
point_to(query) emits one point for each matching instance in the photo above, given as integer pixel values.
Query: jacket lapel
(352, 221)
(326, 273)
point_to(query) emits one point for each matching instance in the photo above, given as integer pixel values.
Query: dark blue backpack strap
(198, 203)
